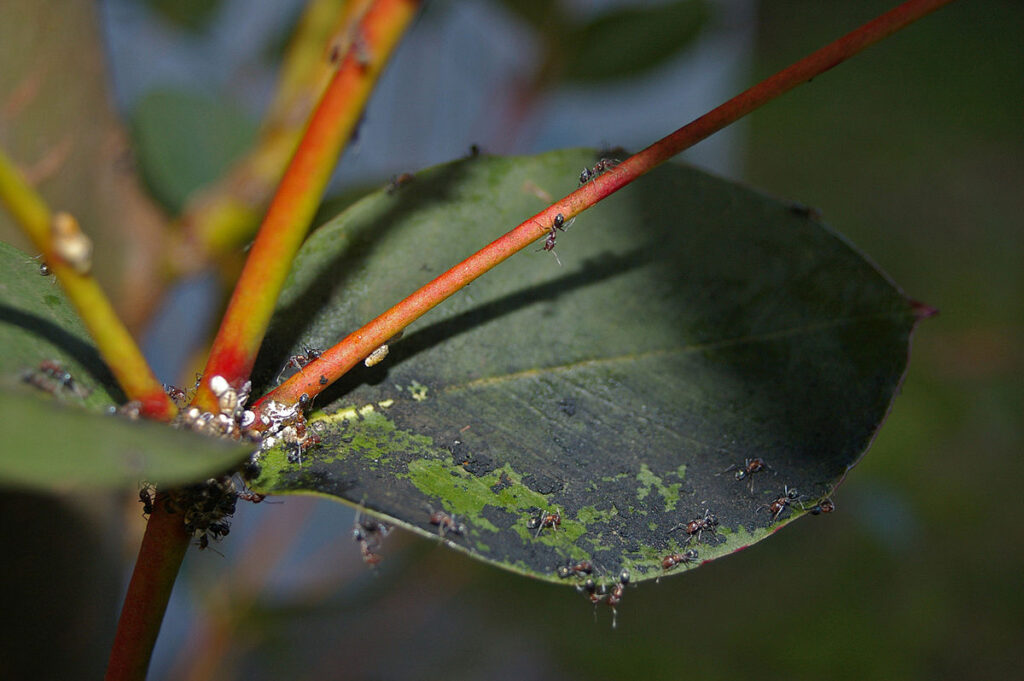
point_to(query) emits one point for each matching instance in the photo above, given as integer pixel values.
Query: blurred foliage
(185, 140)
(619, 43)
(192, 15)
(628, 41)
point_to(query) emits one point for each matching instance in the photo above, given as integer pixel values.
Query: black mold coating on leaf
(694, 324)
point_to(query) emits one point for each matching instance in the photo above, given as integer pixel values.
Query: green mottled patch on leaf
(692, 323)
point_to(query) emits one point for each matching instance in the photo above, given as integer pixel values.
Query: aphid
(584, 567)
(823, 506)
(299, 362)
(747, 470)
(399, 181)
(698, 526)
(323, 380)
(70, 244)
(377, 356)
(446, 524)
(545, 519)
(671, 561)
(624, 577)
(779, 505)
(599, 168)
(44, 269)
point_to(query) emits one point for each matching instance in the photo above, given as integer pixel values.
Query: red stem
(339, 359)
(163, 548)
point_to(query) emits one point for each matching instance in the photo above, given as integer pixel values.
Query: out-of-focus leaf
(630, 40)
(50, 438)
(540, 14)
(693, 324)
(189, 14)
(186, 140)
(52, 446)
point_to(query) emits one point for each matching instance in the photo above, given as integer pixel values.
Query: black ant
(446, 523)
(779, 505)
(671, 561)
(300, 361)
(698, 526)
(602, 166)
(584, 567)
(747, 470)
(823, 506)
(559, 224)
(545, 519)
(369, 533)
(177, 395)
(254, 497)
(398, 181)
(51, 376)
(594, 593)
(146, 498)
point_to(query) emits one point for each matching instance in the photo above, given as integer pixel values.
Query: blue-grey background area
(913, 150)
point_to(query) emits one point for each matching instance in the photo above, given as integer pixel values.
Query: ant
(561, 225)
(601, 167)
(545, 519)
(779, 505)
(254, 497)
(146, 498)
(747, 470)
(671, 561)
(823, 506)
(398, 181)
(594, 593)
(698, 526)
(446, 523)
(300, 361)
(584, 567)
(51, 376)
(369, 533)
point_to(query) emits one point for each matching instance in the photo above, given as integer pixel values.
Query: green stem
(338, 360)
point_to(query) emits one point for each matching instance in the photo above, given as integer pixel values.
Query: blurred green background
(913, 150)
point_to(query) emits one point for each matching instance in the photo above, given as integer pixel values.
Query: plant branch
(288, 216)
(339, 359)
(68, 254)
(219, 218)
(156, 569)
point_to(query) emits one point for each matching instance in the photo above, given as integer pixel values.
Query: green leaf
(630, 40)
(692, 324)
(51, 446)
(189, 14)
(51, 441)
(186, 140)
(38, 324)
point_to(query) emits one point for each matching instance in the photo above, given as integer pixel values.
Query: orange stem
(339, 359)
(292, 208)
